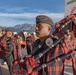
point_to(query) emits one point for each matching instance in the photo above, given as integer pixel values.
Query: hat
(3, 30)
(44, 19)
(8, 29)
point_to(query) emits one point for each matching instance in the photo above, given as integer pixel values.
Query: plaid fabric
(74, 63)
(56, 68)
(74, 30)
(71, 45)
(17, 49)
(73, 42)
(3, 46)
(67, 47)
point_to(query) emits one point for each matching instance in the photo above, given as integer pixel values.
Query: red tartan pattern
(56, 68)
(3, 51)
(73, 42)
(74, 31)
(74, 63)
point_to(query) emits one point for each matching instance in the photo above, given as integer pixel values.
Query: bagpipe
(29, 66)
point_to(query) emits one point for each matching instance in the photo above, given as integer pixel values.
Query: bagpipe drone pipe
(63, 27)
(58, 58)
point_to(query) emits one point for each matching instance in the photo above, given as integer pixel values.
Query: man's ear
(49, 27)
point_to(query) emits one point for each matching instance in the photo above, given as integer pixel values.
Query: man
(3, 32)
(7, 46)
(29, 44)
(72, 41)
(44, 25)
(2, 35)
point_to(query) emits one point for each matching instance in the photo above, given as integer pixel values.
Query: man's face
(42, 30)
(9, 34)
(3, 32)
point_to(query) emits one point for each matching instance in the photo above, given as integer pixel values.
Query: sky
(13, 12)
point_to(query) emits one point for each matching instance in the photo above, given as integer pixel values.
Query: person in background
(20, 51)
(74, 45)
(73, 41)
(33, 37)
(29, 44)
(3, 32)
(7, 46)
(17, 54)
(22, 41)
(2, 35)
(23, 49)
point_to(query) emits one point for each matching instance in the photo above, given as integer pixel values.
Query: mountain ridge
(19, 27)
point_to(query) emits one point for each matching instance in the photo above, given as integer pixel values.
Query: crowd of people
(17, 46)
(14, 46)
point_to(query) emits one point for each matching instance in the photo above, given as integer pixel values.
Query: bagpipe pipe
(63, 27)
